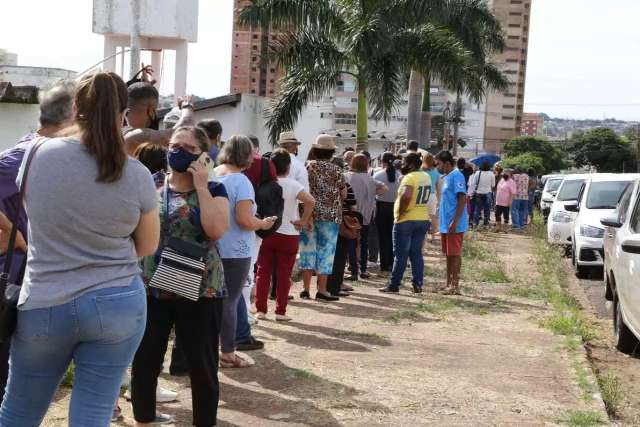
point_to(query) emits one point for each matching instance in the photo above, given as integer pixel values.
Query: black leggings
(384, 223)
(198, 326)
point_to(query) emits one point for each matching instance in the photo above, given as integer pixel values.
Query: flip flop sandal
(237, 363)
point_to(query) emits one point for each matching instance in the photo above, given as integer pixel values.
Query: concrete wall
(158, 18)
(33, 76)
(16, 120)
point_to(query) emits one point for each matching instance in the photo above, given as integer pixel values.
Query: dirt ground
(385, 360)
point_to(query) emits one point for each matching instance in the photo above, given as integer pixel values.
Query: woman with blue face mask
(195, 211)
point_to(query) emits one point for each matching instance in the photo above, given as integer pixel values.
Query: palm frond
(385, 83)
(287, 15)
(306, 49)
(300, 86)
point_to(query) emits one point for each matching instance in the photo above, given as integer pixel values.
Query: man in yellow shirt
(411, 224)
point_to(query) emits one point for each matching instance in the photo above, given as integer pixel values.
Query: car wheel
(624, 339)
(608, 292)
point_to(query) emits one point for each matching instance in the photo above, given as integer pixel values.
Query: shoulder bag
(10, 292)
(182, 264)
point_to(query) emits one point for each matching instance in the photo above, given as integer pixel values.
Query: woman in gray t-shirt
(92, 212)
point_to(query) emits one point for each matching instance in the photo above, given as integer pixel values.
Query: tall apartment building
(503, 111)
(249, 73)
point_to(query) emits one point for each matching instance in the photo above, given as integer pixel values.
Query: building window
(254, 59)
(508, 107)
(507, 117)
(273, 70)
(253, 91)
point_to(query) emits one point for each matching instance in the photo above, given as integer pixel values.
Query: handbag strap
(4, 278)
(165, 221)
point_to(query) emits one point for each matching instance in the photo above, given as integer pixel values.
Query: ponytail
(100, 101)
(388, 158)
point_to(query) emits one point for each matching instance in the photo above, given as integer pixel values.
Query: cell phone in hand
(206, 161)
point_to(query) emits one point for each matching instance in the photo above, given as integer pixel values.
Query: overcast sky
(584, 58)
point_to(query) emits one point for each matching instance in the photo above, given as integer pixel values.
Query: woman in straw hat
(318, 245)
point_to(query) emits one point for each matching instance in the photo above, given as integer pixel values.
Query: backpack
(269, 200)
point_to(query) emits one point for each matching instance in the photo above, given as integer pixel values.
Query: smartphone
(206, 161)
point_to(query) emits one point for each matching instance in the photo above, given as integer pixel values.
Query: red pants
(278, 252)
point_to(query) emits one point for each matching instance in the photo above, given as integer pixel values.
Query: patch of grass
(570, 323)
(473, 249)
(582, 419)
(355, 334)
(412, 315)
(303, 374)
(582, 377)
(67, 381)
(611, 391)
(530, 292)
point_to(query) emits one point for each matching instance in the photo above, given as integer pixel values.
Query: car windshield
(605, 195)
(553, 185)
(570, 190)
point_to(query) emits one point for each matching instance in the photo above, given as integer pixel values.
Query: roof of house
(231, 99)
(18, 94)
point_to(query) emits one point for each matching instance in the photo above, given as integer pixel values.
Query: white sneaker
(162, 419)
(261, 316)
(252, 320)
(282, 318)
(164, 395)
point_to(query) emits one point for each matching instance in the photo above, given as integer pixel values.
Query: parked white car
(552, 183)
(598, 198)
(622, 268)
(560, 223)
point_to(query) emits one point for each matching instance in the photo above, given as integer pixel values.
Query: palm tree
(366, 39)
(473, 22)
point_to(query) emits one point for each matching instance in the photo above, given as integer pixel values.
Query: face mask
(179, 160)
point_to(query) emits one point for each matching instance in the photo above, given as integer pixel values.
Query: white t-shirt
(481, 182)
(298, 172)
(290, 190)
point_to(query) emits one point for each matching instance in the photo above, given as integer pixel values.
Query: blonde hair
(237, 151)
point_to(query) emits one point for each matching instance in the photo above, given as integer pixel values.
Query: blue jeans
(483, 203)
(532, 195)
(243, 329)
(99, 331)
(519, 212)
(408, 238)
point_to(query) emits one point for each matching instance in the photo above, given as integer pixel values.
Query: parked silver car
(622, 268)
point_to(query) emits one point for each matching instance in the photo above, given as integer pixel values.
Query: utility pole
(456, 123)
(135, 38)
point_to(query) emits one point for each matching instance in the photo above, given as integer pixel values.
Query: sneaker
(261, 316)
(371, 264)
(250, 344)
(325, 297)
(351, 278)
(282, 318)
(305, 295)
(252, 319)
(364, 275)
(417, 289)
(162, 419)
(116, 415)
(346, 288)
(164, 395)
(389, 290)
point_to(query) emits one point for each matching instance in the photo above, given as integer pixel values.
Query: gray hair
(56, 103)
(237, 151)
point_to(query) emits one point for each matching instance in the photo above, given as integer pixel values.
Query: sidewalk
(388, 360)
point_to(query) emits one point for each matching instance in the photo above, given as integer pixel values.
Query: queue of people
(150, 233)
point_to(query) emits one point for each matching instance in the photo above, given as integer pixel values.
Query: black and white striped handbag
(182, 264)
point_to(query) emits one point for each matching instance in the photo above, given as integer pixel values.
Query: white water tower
(150, 24)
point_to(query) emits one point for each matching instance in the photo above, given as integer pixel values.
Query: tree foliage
(550, 157)
(525, 161)
(603, 149)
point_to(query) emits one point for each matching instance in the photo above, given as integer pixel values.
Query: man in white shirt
(481, 185)
(297, 171)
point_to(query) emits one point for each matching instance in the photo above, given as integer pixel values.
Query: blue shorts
(318, 247)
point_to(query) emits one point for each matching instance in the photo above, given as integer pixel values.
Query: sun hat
(288, 138)
(172, 118)
(324, 142)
